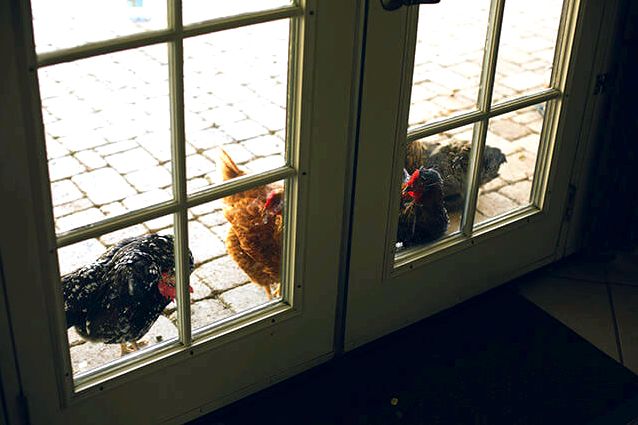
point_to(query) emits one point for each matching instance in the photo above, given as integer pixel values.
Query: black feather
(116, 299)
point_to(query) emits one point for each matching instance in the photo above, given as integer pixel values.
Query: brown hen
(254, 237)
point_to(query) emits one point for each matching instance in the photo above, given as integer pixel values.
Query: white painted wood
(176, 384)
(430, 280)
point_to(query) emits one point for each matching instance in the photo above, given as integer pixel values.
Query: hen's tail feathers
(227, 167)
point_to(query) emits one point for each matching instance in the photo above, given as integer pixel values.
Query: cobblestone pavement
(107, 124)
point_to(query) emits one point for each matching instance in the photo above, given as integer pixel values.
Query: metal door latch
(395, 4)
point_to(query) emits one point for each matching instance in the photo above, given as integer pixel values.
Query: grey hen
(451, 161)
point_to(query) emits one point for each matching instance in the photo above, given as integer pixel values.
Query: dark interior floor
(497, 359)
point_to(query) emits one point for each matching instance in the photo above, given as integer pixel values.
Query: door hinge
(571, 199)
(601, 83)
(23, 404)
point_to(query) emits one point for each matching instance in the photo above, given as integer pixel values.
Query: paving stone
(103, 186)
(71, 207)
(64, 191)
(114, 208)
(524, 81)
(207, 312)
(195, 184)
(200, 289)
(244, 297)
(243, 130)
(114, 237)
(203, 243)
(221, 231)
(90, 355)
(157, 144)
(519, 166)
(146, 199)
(213, 219)
(150, 178)
(74, 338)
(508, 129)
(80, 141)
(64, 167)
(208, 207)
(493, 185)
(90, 159)
(55, 149)
(265, 145)
(162, 330)
(78, 219)
(529, 143)
(237, 152)
(425, 112)
(74, 256)
(116, 147)
(527, 116)
(221, 274)
(131, 160)
(208, 138)
(161, 223)
(518, 192)
(535, 126)
(271, 116)
(493, 204)
(506, 146)
(222, 116)
(198, 165)
(265, 164)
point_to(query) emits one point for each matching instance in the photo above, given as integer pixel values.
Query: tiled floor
(598, 299)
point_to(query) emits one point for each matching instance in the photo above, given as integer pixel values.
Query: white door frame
(383, 298)
(192, 378)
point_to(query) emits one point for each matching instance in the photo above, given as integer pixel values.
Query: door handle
(395, 4)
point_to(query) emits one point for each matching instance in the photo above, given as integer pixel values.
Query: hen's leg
(125, 349)
(277, 291)
(268, 293)
(139, 344)
(131, 347)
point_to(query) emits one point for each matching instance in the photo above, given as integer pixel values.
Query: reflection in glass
(237, 243)
(447, 63)
(235, 96)
(67, 23)
(107, 135)
(517, 135)
(526, 52)
(116, 292)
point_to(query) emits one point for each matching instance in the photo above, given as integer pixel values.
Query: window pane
(237, 244)
(107, 134)
(526, 52)
(67, 23)
(235, 97)
(202, 10)
(517, 135)
(117, 292)
(447, 65)
(433, 200)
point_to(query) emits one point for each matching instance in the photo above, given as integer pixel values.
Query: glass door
(174, 201)
(469, 122)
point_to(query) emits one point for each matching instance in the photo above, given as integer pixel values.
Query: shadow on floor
(496, 359)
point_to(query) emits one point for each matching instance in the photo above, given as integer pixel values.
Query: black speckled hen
(117, 298)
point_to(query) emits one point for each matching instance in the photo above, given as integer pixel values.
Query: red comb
(413, 178)
(269, 200)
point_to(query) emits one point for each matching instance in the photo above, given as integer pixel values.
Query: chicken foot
(131, 347)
